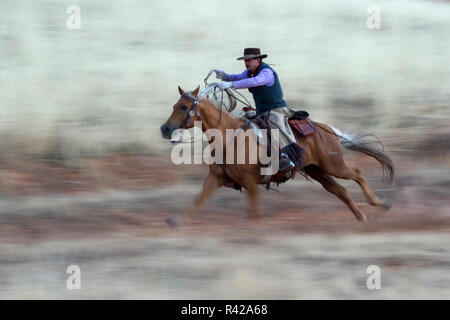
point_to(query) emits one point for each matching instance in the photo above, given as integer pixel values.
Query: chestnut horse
(322, 158)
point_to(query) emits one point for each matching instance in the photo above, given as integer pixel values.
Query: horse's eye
(184, 108)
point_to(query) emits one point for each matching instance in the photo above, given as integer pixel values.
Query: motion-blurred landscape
(86, 178)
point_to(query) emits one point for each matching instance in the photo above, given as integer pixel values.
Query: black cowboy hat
(251, 53)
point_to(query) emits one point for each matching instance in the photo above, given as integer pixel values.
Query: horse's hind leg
(356, 175)
(371, 198)
(335, 188)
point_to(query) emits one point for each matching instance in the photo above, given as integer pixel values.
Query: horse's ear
(181, 91)
(195, 92)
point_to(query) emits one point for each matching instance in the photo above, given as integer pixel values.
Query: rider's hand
(220, 75)
(225, 85)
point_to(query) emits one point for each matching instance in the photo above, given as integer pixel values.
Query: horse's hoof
(362, 219)
(173, 221)
(387, 203)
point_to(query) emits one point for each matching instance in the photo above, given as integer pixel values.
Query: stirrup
(290, 165)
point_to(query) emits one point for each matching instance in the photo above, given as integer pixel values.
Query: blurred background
(86, 179)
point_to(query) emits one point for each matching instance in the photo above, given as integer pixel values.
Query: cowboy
(263, 83)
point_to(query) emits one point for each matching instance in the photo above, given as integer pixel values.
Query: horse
(322, 158)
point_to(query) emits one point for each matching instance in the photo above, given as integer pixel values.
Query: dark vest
(267, 97)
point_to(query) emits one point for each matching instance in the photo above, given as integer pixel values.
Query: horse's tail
(367, 147)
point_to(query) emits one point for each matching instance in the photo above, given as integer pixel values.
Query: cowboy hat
(251, 53)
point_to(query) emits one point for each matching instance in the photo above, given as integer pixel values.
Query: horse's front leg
(249, 182)
(253, 208)
(210, 185)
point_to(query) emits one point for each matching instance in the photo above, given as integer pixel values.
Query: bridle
(193, 109)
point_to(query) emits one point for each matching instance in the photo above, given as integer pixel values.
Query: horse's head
(184, 113)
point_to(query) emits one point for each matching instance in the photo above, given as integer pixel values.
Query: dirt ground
(107, 217)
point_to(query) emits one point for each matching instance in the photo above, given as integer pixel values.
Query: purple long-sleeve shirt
(240, 81)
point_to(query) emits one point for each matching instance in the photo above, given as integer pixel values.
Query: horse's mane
(227, 120)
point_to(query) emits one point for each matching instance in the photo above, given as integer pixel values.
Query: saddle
(301, 125)
(299, 122)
